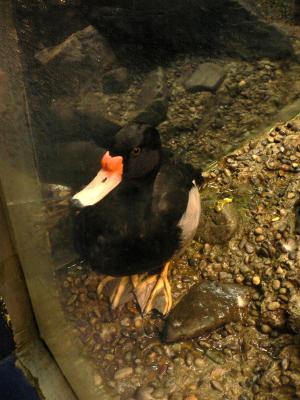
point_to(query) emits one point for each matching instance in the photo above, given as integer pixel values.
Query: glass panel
(210, 76)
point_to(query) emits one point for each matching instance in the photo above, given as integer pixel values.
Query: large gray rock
(206, 307)
(78, 62)
(208, 76)
(152, 102)
(230, 25)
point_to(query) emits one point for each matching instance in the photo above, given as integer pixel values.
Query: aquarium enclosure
(219, 82)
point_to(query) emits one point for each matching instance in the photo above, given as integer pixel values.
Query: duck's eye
(136, 151)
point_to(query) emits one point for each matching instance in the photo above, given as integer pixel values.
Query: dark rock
(217, 227)
(233, 26)
(294, 312)
(152, 102)
(115, 81)
(207, 306)
(94, 119)
(78, 62)
(208, 76)
(81, 118)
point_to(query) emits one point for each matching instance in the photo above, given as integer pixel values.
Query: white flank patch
(190, 220)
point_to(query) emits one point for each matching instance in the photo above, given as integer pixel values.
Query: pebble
(217, 386)
(260, 238)
(280, 271)
(285, 380)
(123, 373)
(284, 364)
(158, 394)
(176, 396)
(266, 328)
(191, 397)
(144, 393)
(125, 322)
(256, 280)
(258, 231)
(244, 397)
(199, 362)
(189, 359)
(276, 284)
(98, 380)
(138, 323)
(274, 305)
(239, 278)
(249, 248)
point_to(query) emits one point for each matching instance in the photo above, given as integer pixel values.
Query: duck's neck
(142, 182)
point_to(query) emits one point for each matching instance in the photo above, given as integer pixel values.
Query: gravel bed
(257, 358)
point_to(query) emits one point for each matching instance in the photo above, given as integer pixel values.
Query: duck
(139, 212)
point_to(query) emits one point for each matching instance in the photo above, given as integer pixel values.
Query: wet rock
(207, 306)
(115, 81)
(208, 76)
(152, 102)
(217, 227)
(294, 311)
(78, 62)
(237, 28)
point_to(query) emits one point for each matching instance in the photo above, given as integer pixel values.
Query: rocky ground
(254, 358)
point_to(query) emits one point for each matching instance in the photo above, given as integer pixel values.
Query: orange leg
(118, 292)
(154, 292)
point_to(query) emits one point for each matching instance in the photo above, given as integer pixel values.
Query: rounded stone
(260, 238)
(276, 284)
(256, 280)
(98, 380)
(123, 373)
(258, 231)
(274, 305)
(266, 328)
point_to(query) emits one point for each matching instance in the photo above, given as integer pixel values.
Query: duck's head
(134, 155)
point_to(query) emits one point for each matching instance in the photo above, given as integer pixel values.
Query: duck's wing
(176, 201)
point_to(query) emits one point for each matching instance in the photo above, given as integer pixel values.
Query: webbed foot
(118, 290)
(154, 292)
